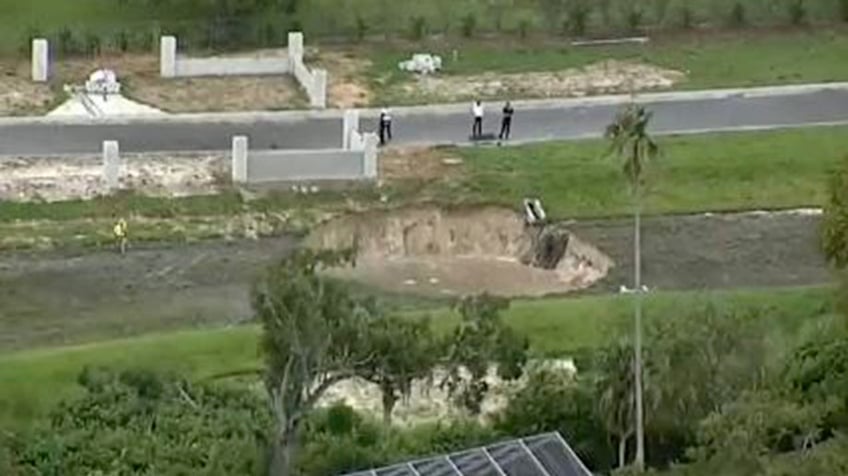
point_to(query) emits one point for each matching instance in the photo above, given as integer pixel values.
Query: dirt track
(54, 299)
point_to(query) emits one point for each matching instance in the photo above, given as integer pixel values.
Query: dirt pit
(18, 94)
(606, 77)
(51, 179)
(430, 251)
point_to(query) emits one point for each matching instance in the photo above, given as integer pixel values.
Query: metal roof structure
(541, 455)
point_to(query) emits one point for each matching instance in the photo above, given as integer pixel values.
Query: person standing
(385, 126)
(120, 232)
(506, 121)
(477, 112)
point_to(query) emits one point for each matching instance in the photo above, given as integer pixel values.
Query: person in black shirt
(385, 126)
(506, 122)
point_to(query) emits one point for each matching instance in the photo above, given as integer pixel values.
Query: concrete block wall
(313, 81)
(111, 165)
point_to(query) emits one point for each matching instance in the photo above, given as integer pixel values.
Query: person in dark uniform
(506, 121)
(385, 126)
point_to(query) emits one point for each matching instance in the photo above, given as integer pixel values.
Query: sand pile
(433, 251)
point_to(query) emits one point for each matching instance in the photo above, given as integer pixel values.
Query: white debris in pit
(103, 82)
(53, 179)
(422, 63)
(100, 97)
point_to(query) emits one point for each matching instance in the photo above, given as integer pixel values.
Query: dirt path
(55, 299)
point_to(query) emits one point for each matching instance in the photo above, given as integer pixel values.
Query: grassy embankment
(33, 381)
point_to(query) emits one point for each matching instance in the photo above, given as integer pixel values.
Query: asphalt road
(538, 123)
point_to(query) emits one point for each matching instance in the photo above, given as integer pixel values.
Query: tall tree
(629, 140)
(403, 350)
(481, 340)
(312, 328)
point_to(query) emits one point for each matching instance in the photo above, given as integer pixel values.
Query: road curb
(440, 109)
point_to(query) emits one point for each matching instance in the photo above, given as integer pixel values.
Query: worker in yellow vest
(120, 232)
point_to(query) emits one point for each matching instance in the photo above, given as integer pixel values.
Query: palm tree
(629, 140)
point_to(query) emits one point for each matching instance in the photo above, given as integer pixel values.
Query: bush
(523, 28)
(66, 43)
(121, 41)
(469, 24)
(361, 27)
(687, 18)
(843, 10)
(738, 15)
(418, 27)
(92, 44)
(578, 18)
(31, 34)
(797, 12)
(635, 16)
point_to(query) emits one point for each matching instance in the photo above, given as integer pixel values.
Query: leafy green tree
(557, 400)
(629, 139)
(140, 423)
(311, 331)
(402, 350)
(481, 340)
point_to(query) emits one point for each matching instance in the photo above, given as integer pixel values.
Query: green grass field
(736, 59)
(33, 381)
(732, 171)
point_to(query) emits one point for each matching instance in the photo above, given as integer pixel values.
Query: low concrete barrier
(111, 165)
(40, 60)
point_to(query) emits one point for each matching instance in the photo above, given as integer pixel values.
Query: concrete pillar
(350, 124)
(318, 96)
(295, 47)
(111, 164)
(168, 56)
(40, 60)
(369, 164)
(239, 158)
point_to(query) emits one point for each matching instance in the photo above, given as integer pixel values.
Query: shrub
(92, 44)
(31, 34)
(523, 28)
(578, 18)
(67, 43)
(843, 10)
(418, 27)
(469, 24)
(121, 41)
(361, 27)
(797, 12)
(738, 15)
(635, 16)
(687, 18)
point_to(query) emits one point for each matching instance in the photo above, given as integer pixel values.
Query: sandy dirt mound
(18, 94)
(606, 77)
(69, 178)
(438, 252)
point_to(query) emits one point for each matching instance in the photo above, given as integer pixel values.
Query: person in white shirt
(477, 111)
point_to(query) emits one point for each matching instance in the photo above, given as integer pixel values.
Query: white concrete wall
(369, 159)
(315, 165)
(40, 60)
(188, 67)
(314, 82)
(350, 125)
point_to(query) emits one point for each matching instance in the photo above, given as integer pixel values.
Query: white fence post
(295, 48)
(168, 56)
(369, 164)
(318, 98)
(239, 159)
(350, 124)
(111, 164)
(40, 60)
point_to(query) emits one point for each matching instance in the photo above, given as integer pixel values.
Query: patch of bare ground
(606, 77)
(51, 179)
(398, 164)
(346, 72)
(18, 94)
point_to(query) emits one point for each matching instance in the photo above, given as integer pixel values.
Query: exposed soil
(456, 252)
(606, 77)
(418, 164)
(59, 298)
(18, 94)
(70, 178)
(346, 72)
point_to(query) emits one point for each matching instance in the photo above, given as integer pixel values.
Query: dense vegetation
(90, 25)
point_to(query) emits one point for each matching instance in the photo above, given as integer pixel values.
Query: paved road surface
(536, 123)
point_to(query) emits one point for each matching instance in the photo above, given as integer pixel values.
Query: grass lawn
(33, 381)
(709, 60)
(728, 171)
